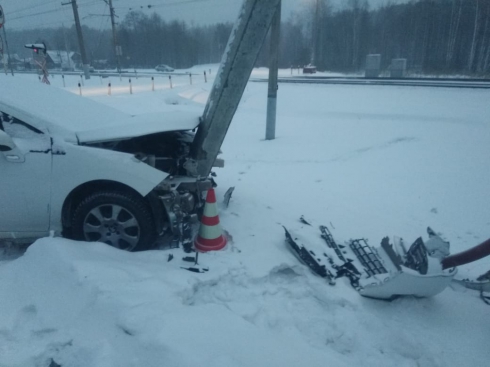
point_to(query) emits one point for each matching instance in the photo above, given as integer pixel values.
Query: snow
(368, 161)
(78, 119)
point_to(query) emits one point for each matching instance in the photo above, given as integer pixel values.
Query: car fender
(75, 165)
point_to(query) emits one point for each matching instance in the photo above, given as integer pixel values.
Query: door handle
(14, 158)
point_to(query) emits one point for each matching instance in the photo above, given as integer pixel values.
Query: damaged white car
(76, 168)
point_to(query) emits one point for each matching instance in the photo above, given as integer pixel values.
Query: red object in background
(468, 256)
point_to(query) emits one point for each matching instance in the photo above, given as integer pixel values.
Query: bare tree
(474, 39)
(453, 30)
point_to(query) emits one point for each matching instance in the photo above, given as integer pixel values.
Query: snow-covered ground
(368, 161)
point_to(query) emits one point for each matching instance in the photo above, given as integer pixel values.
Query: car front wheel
(119, 219)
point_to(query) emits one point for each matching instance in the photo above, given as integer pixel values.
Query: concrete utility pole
(81, 44)
(241, 53)
(9, 62)
(270, 132)
(117, 48)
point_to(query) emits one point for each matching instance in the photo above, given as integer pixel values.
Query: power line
(151, 6)
(179, 3)
(59, 22)
(35, 14)
(87, 4)
(31, 7)
(100, 29)
(91, 3)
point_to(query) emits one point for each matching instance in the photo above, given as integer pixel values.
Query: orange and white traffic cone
(210, 237)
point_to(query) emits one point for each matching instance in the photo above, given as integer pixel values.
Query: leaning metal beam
(241, 53)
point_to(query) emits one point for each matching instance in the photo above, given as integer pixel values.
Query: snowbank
(366, 161)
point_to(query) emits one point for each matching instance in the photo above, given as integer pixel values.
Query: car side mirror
(6, 142)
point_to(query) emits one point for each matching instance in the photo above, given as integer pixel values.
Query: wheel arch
(76, 196)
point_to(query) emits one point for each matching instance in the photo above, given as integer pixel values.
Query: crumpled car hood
(80, 120)
(140, 125)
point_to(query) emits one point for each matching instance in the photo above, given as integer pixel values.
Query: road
(412, 82)
(313, 79)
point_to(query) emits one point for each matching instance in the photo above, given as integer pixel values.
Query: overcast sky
(50, 13)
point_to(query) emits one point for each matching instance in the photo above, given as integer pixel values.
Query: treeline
(146, 40)
(435, 36)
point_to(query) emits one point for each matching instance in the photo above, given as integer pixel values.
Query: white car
(164, 68)
(89, 172)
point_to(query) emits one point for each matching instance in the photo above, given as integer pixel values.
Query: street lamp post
(2, 25)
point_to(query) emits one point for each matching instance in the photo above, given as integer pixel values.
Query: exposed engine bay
(165, 151)
(180, 195)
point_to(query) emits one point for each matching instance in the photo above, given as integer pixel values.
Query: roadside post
(64, 83)
(152, 84)
(109, 92)
(130, 87)
(80, 88)
(190, 78)
(170, 79)
(270, 132)
(205, 77)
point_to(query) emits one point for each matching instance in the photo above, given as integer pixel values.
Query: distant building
(101, 64)
(15, 62)
(56, 59)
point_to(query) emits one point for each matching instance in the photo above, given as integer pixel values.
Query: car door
(25, 179)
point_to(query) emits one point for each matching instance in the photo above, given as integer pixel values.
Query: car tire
(119, 219)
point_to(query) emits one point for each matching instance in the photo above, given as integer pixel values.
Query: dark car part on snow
(481, 284)
(189, 259)
(327, 236)
(194, 269)
(390, 270)
(228, 194)
(309, 258)
(364, 253)
(304, 221)
(417, 257)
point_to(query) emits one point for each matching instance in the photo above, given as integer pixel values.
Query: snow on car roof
(79, 119)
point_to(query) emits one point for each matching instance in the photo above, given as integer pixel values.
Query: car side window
(17, 128)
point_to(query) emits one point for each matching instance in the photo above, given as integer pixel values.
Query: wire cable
(31, 7)
(80, 5)
(151, 6)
